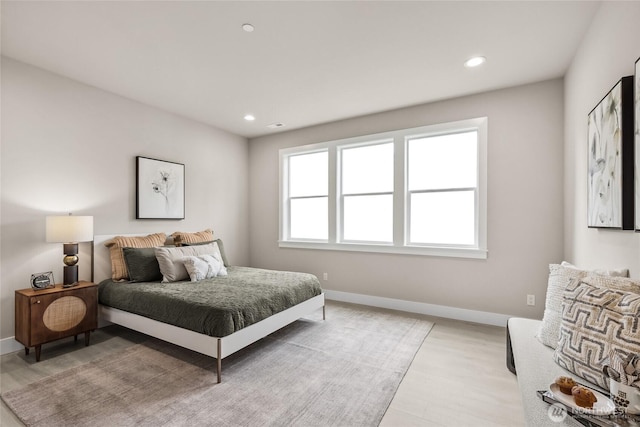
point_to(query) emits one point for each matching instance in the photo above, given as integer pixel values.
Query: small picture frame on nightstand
(41, 281)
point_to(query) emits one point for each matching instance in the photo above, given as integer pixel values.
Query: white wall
(525, 207)
(607, 53)
(68, 147)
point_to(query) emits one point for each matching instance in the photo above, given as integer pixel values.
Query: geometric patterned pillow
(596, 320)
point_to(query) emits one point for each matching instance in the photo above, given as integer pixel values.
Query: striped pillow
(118, 266)
(199, 237)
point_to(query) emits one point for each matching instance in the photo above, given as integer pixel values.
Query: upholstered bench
(589, 307)
(534, 365)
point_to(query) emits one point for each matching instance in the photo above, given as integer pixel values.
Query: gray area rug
(340, 372)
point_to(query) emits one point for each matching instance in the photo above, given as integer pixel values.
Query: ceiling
(306, 63)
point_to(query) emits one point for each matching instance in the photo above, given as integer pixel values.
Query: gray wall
(525, 207)
(607, 53)
(68, 147)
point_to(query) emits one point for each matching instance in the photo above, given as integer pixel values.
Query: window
(442, 186)
(308, 196)
(416, 191)
(367, 193)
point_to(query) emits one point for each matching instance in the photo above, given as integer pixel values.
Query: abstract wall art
(159, 189)
(611, 159)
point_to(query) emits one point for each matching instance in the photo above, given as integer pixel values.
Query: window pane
(445, 161)
(309, 218)
(367, 169)
(443, 218)
(308, 175)
(368, 218)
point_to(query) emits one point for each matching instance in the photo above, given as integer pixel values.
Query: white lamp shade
(69, 229)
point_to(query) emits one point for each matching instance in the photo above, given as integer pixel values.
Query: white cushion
(204, 267)
(171, 264)
(618, 272)
(559, 278)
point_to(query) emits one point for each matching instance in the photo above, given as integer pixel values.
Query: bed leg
(219, 361)
(324, 316)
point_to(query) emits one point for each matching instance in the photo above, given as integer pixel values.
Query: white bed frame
(217, 347)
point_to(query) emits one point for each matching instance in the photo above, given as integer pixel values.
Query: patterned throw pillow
(595, 320)
(559, 277)
(118, 266)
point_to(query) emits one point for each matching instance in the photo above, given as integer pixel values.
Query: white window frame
(401, 211)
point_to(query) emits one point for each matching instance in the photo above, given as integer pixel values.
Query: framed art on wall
(159, 189)
(611, 158)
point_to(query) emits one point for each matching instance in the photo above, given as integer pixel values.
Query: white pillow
(559, 277)
(204, 267)
(170, 260)
(619, 272)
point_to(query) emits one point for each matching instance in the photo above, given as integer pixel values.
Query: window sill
(473, 253)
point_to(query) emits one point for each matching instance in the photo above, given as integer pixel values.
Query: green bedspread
(217, 307)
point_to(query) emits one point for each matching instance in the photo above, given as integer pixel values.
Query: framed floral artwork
(159, 189)
(611, 158)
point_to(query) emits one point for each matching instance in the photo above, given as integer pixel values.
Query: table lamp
(69, 230)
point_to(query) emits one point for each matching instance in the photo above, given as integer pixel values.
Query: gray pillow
(220, 248)
(142, 264)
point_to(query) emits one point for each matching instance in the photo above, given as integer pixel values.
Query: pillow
(220, 248)
(620, 272)
(204, 267)
(118, 267)
(170, 260)
(559, 278)
(142, 264)
(596, 320)
(199, 237)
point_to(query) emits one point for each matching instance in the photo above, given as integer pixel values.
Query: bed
(253, 304)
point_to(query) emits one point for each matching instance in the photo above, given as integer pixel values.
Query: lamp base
(70, 276)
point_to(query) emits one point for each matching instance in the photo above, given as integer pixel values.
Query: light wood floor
(458, 377)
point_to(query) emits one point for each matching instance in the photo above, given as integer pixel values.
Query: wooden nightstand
(51, 314)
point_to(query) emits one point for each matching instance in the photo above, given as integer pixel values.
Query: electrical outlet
(325, 276)
(531, 300)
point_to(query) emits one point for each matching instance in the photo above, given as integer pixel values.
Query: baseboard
(483, 317)
(9, 345)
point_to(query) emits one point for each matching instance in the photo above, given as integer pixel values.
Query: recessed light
(276, 125)
(249, 117)
(475, 61)
(248, 28)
